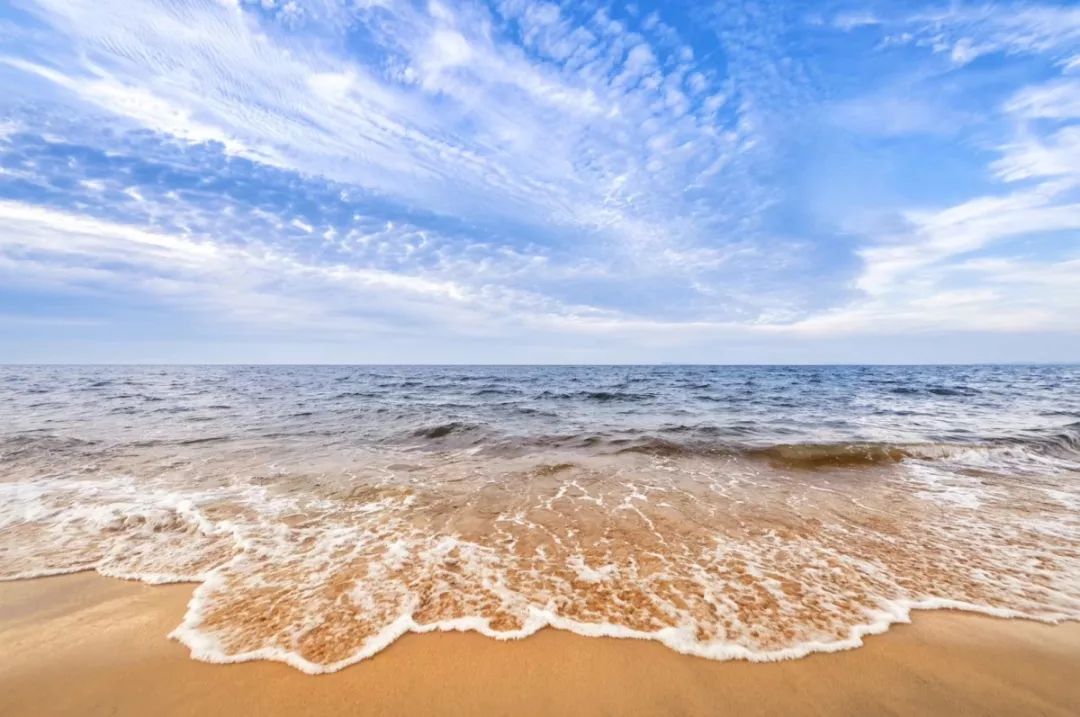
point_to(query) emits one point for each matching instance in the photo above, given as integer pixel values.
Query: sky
(514, 181)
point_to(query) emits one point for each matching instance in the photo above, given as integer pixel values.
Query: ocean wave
(727, 512)
(720, 560)
(935, 391)
(736, 441)
(442, 430)
(797, 456)
(200, 440)
(599, 396)
(1063, 444)
(43, 443)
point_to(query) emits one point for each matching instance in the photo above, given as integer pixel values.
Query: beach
(89, 645)
(545, 540)
(475, 357)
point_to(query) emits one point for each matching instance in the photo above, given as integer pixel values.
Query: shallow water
(729, 512)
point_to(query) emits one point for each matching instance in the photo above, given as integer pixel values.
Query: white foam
(680, 639)
(241, 538)
(590, 574)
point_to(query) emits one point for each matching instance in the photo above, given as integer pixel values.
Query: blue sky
(519, 181)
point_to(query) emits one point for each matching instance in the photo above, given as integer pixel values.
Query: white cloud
(965, 32)
(957, 268)
(445, 112)
(1059, 99)
(854, 20)
(254, 284)
(512, 167)
(1034, 151)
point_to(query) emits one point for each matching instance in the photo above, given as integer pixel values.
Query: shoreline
(86, 644)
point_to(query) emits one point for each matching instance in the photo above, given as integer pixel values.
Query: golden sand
(87, 645)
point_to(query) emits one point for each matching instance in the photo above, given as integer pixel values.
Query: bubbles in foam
(720, 558)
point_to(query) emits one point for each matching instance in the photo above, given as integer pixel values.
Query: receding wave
(718, 442)
(443, 430)
(1064, 442)
(800, 456)
(599, 396)
(844, 455)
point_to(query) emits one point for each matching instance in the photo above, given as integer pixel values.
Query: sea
(728, 512)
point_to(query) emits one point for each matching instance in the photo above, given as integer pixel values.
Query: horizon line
(534, 365)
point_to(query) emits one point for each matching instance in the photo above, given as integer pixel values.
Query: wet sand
(87, 645)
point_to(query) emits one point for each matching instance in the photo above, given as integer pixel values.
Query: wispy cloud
(593, 125)
(668, 176)
(958, 266)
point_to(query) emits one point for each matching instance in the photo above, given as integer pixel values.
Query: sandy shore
(87, 645)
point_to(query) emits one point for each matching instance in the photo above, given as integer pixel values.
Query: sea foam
(723, 560)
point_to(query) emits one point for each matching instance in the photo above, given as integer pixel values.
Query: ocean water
(759, 513)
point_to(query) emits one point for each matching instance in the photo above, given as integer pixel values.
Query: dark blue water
(523, 408)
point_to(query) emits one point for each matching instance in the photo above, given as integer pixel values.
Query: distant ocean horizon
(255, 364)
(755, 512)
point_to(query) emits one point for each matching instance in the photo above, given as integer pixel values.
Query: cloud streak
(520, 170)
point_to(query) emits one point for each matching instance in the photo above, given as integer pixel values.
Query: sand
(87, 645)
